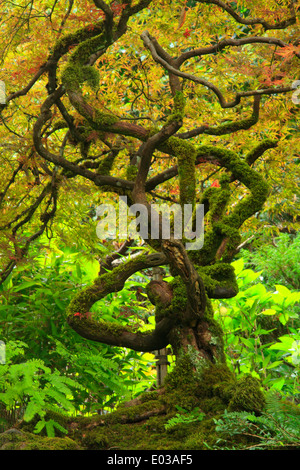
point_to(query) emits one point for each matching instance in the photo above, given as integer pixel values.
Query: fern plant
(31, 389)
(277, 427)
(185, 417)
(98, 373)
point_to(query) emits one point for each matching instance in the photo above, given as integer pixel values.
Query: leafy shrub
(261, 331)
(32, 308)
(279, 263)
(29, 389)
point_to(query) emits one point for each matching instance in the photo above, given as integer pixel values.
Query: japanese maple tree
(182, 101)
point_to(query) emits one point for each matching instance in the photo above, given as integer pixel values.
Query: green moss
(182, 375)
(178, 305)
(106, 165)
(131, 172)
(186, 172)
(222, 226)
(179, 105)
(216, 342)
(64, 43)
(153, 395)
(82, 302)
(218, 274)
(260, 149)
(213, 388)
(212, 392)
(14, 439)
(215, 380)
(74, 75)
(96, 440)
(185, 153)
(233, 126)
(103, 120)
(217, 198)
(104, 284)
(113, 328)
(77, 72)
(86, 48)
(180, 385)
(129, 414)
(244, 173)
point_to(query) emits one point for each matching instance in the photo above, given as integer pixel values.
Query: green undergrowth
(216, 412)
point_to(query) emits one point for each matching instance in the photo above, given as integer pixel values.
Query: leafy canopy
(184, 101)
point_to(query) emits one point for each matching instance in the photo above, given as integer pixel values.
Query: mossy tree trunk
(183, 311)
(184, 316)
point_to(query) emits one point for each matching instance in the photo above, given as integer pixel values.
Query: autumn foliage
(182, 101)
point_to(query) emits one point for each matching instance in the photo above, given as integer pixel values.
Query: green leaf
(256, 290)
(238, 266)
(274, 364)
(285, 343)
(247, 342)
(39, 426)
(26, 285)
(31, 410)
(278, 384)
(283, 290)
(249, 275)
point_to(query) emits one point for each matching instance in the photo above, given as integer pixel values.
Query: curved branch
(259, 150)
(45, 115)
(10, 182)
(61, 48)
(145, 153)
(106, 265)
(150, 44)
(253, 180)
(117, 335)
(226, 128)
(21, 251)
(220, 45)
(82, 321)
(223, 238)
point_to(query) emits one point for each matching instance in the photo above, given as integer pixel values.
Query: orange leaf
(288, 51)
(182, 17)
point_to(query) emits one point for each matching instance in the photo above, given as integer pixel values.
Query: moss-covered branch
(227, 127)
(81, 319)
(224, 237)
(115, 334)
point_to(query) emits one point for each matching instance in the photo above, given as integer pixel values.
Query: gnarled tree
(137, 84)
